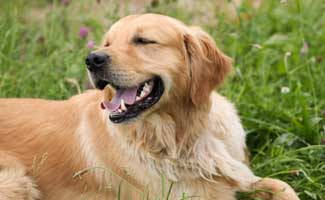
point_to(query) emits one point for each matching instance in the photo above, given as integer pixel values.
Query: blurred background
(277, 83)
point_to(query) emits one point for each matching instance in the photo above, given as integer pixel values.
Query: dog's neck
(166, 138)
(169, 132)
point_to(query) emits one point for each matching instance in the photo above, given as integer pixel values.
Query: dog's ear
(208, 65)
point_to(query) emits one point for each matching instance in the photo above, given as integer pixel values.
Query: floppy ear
(208, 65)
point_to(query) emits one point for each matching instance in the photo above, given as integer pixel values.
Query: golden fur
(191, 137)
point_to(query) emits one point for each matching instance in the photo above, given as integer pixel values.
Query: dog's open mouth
(128, 103)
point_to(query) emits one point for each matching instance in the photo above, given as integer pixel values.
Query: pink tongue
(128, 95)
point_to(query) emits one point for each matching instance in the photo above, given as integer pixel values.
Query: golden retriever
(155, 129)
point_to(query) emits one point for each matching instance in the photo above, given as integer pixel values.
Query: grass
(277, 83)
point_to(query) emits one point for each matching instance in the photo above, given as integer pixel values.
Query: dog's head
(153, 61)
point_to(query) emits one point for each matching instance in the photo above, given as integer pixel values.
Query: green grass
(40, 51)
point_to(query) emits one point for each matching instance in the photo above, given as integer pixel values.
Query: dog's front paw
(273, 189)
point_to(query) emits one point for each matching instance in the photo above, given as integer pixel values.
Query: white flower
(285, 90)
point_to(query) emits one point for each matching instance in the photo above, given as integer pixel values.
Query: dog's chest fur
(153, 144)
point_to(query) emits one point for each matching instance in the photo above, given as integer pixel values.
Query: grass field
(277, 82)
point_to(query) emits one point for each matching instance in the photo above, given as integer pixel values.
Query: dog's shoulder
(223, 111)
(225, 125)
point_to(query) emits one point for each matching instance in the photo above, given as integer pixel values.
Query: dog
(154, 128)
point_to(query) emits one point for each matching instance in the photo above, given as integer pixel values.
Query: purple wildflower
(90, 44)
(83, 32)
(65, 2)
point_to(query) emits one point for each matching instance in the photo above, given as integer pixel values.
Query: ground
(277, 82)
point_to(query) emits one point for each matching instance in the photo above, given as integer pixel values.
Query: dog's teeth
(119, 110)
(146, 87)
(137, 98)
(123, 107)
(143, 93)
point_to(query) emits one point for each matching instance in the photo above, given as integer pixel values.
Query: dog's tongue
(128, 95)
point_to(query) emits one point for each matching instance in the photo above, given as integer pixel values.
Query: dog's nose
(95, 61)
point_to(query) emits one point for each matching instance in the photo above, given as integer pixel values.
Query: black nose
(95, 61)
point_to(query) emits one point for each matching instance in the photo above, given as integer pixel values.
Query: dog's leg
(14, 182)
(215, 161)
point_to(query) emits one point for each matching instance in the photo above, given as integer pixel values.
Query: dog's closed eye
(142, 41)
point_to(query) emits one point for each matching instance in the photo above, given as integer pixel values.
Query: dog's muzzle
(130, 100)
